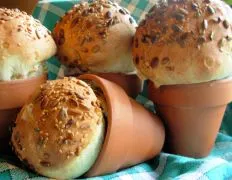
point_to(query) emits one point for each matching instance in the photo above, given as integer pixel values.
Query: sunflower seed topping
(226, 24)
(211, 36)
(183, 11)
(176, 28)
(194, 6)
(211, 10)
(205, 24)
(179, 16)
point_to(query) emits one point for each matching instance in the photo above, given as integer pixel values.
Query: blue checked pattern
(166, 166)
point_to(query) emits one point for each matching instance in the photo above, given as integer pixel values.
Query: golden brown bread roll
(24, 44)
(184, 42)
(96, 37)
(59, 132)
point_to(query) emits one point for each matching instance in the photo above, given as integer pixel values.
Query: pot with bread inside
(96, 38)
(184, 49)
(25, 44)
(72, 127)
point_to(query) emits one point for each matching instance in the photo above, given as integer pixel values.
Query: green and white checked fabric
(165, 166)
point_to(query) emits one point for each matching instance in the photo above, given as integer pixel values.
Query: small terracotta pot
(13, 95)
(192, 113)
(133, 134)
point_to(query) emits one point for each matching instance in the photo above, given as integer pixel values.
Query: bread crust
(24, 37)
(96, 37)
(56, 126)
(184, 42)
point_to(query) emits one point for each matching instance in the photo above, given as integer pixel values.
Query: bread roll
(24, 45)
(59, 132)
(184, 42)
(96, 37)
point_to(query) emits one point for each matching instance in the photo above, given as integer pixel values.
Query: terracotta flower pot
(133, 134)
(13, 95)
(192, 113)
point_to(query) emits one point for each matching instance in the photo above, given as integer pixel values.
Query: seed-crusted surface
(184, 41)
(24, 37)
(57, 124)
(90, 35)
(31, 27)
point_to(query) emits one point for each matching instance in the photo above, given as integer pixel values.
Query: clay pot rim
(111, 73)
(219, 81)
(21, 81)
(117, 73)
(8, 91)
(184, 95)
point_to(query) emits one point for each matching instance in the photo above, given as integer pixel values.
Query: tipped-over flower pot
(133, 134)
(13, 95)
(192, 113)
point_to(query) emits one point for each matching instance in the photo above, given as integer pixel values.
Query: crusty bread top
(96, 37)
(184, 42)
(57, 124)
(24, 37)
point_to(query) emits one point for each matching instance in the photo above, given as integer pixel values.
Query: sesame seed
(211, 36)
(38, 34)
(72, 153)
(106, 5)
(101, 8)
(96, 49)
(165, 60)
(205, 24)
(183, 11)
(69, 131)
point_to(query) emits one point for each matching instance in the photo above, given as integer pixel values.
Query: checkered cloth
(165, 166)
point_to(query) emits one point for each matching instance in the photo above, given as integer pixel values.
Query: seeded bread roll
(59, 132)
(24, 44)
(96, 37)
(184, 42)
